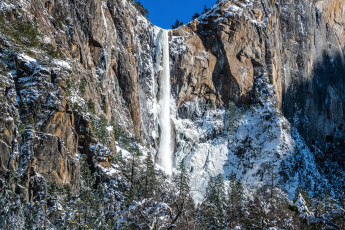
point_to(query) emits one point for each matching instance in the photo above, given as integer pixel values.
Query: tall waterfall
(165, 148)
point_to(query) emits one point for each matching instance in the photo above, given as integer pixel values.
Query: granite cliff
(257, 87)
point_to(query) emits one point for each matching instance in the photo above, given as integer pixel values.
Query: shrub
(24, 33)
(91, 106)
(69, 87)
(137, 4)
(116, 131)
(212, 104)
(21, 129)
(82, 86)
(4, 68)
(100, 129)
(51, 51)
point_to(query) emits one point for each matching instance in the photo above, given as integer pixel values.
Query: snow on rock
(27, 60)
(302, 206)
(230, 9)
(63, 64)
(254, 143)
(6, 7)
(202, 144)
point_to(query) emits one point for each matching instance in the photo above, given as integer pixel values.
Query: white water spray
(165, 150)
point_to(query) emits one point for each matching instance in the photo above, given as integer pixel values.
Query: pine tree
(181, 183)
(214, 205)
(139, 6)
(85, 192)
(220, 201)
(195, 16)
(236, 197)
(150, 177)
(133, 173)
(205, 9)
(177, 24)
(90, 199)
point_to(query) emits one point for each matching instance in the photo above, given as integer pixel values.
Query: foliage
(24, 33)
(211, 104)
(139, 6)
(100, 129)
(235, 210)
(51, 51)
(181, 181)
(139, 196)
(159, 204)
(205, 9)
(232, 116)
(116, 131)
(177, 24)
(214, 205)
(3, 69)
(69, 87)
(149, 177)
(91, 106)
(195, 16)
(21, 129)
(82, 86)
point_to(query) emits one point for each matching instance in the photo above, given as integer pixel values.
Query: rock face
(298, 46)
(256, 85)
(47, 102)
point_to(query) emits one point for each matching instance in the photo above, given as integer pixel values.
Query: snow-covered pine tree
(181, 181)
(214, 206)
(179, 203)
(235, 204)
(149, 177)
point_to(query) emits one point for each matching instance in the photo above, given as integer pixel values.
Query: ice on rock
(165, 147)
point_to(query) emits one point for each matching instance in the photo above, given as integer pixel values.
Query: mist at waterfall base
(165, 13)
(165, 150)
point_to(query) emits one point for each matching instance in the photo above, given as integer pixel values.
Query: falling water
(165, 151)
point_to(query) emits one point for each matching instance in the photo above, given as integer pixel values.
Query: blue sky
(163, 13)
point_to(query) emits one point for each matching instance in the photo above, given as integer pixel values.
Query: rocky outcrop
(52, 109)
(87, 68)
(300, 45)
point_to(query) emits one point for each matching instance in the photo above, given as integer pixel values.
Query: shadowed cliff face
(316, 107)
(294, 42)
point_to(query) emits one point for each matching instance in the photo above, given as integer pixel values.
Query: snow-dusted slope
(255, 143)
(247, 84)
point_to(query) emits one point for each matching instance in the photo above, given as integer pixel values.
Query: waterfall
(165, 148)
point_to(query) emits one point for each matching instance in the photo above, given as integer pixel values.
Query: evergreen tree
(177, 24)
(89, 205)
(214, 205)
(150, 177)
(133, 173)
(220, 201)
(181, 181)
(236, 197)
(205, 9)
(195, 16)
(139, 6)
